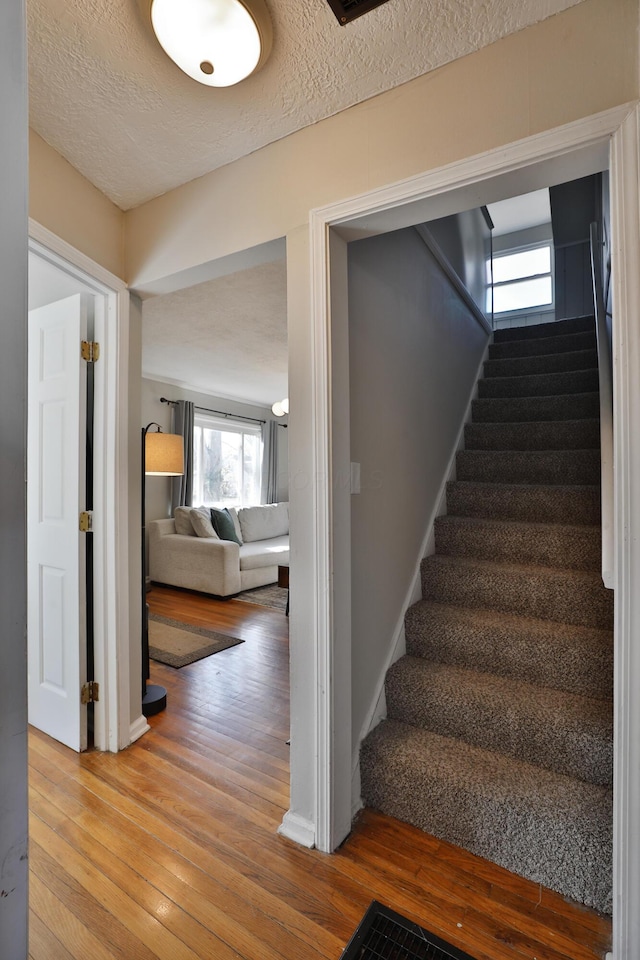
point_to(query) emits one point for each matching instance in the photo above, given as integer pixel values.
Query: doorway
(58, 273)
(574, 151)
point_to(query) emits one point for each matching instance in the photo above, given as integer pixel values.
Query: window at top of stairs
(521, 280)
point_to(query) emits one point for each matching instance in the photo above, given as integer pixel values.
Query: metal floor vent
(385, 935)
(348, 10)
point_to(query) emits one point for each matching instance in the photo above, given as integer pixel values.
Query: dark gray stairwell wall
(415, 348)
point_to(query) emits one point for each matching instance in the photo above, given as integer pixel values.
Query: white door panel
(55, 496)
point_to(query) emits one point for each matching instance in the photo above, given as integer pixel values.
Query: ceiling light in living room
(280, 407)
(216, 42)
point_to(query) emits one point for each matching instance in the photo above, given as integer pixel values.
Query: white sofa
(180, 557)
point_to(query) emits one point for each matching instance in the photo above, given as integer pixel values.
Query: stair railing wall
(605, 375)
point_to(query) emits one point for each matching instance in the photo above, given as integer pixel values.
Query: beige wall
(66, 203)
(572, 65)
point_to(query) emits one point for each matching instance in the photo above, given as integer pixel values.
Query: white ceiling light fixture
(216, 42)
(280, 407)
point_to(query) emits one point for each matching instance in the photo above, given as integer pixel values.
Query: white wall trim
(296, 828)
(111, 601)
(625, 255)
(138, 728)
(65, 251)
(561, 150)
(323, 508)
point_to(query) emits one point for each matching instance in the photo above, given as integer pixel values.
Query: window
(227, 462)
(522, 280)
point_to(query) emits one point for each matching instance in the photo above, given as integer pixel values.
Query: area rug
(178, 644)
(270, 596)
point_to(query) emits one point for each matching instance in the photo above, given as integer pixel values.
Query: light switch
(355, 478)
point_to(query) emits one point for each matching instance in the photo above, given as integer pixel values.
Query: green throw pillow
(223, 525)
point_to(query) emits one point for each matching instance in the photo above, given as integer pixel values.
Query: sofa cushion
(182, 520)
(263, 554)
(201, 522)
(233, 513)
(223, 524)
(264, 522)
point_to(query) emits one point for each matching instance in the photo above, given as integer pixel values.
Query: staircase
(499, 729)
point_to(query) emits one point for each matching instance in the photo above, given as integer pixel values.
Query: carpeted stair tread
(573, 406)
(540, 384)
(555, 830)
(546, 593)
(538, 346)
(499, 737)
(553, 328)
(543, 503)
(549, 363)
(563, 732)
(558, 467)
(542, 435)
(559, 655)
(541, 544)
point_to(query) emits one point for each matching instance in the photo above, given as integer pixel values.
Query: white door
(56, 571)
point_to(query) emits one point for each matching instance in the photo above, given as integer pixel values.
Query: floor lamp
(162, 456)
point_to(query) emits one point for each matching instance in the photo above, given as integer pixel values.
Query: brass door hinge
(90, 692)
(86, 521)
(89, 350)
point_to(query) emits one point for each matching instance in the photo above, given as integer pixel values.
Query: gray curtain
(181, 495)
(270, 461)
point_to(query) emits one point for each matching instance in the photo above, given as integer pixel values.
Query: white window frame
(524, 311)
(229, 424)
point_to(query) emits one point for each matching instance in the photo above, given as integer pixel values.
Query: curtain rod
(222, 413)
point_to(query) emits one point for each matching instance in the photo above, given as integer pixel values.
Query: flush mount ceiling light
(216, 42)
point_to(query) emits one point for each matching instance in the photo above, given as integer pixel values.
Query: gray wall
(13, 384)
(465, 240)
(574, 206)
(414, 349)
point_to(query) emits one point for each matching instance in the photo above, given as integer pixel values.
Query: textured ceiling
(103, 93)
(226, 337)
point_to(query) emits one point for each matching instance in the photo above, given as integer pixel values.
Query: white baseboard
(297, 828)
(138, 728)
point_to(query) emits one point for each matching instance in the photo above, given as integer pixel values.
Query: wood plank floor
(169, 850)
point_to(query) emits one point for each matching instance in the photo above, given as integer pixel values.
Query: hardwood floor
(169, 850)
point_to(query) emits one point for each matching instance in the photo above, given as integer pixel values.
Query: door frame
(609, 139)
(111, 495)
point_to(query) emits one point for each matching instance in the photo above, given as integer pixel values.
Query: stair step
(545, 593)
(558, 655)
(558, 467)
(550, 363)
(541, 544)
(551, 329)
(563, 732)
(538, 503)
(540, 384)
(555, 830)
(541, 435)
(573, 406)
(539, 346)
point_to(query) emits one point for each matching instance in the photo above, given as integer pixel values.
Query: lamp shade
(216, 42)
(164, 455)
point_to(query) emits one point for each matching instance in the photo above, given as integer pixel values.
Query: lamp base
(154, 700)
